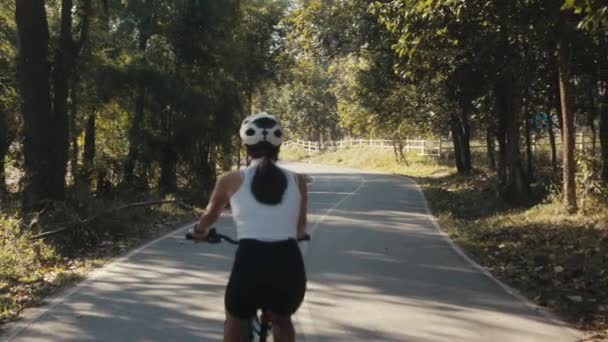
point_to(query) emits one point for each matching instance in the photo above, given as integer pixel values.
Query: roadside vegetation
(32, 268)
(558, 260)
(110, 110)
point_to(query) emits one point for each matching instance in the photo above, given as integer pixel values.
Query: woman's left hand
(199, 236)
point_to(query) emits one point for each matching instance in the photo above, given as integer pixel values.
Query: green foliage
(32, 268)
(20, 257)
(592, 192)
(306, 105)
(595, 13)
(339, 50)
(8, 92)
(21, 261)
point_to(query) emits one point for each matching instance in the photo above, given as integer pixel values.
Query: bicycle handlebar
(214, 237)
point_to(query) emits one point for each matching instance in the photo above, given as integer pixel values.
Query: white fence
(424, 147)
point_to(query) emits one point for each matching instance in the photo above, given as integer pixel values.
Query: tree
(34, 89)
(566, 96)
(594, 21)
(8, 92)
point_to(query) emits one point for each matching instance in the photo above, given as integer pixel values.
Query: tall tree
(602, 90)
(8, 93)
(594, 21)
(65, 59)
(566, 97)
(33, 75)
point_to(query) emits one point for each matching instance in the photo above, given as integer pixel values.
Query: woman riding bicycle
(269, 207)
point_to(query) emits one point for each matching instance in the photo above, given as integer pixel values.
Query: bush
(23, 261)
(20, 256)
(590, 189)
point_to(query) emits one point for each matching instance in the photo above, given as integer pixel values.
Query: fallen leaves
(25, 284)
(559, 261)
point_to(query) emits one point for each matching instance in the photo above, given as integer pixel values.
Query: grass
(31, 269)
(557, 260)
(372, 159)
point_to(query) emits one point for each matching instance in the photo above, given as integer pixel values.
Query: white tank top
(263, 222)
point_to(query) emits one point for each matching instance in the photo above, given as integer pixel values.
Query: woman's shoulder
(231, 176)
(230, 180)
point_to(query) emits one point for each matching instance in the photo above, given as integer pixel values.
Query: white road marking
(308, 329)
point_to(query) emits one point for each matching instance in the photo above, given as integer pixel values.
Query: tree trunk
(250, 99)
(3, 189)
(103, 184)
(592, 113)
(395, 150)
(603, 104)
(515, 186)
(529, 156)
(466, 142)
(62, 73)
(88, 159)
(552, 140)
(74, 134)
(604, 133)
(33, 76)
(490, 148)
(501, 136)
(4, 144)
(68, 54)
(167, 183)
(558, 107)
(135, 139)
(459, 126)
(7, 135)
(456, 141)
(566, 96)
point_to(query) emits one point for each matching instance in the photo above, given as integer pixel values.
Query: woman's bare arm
(302, 221)
(218, 201)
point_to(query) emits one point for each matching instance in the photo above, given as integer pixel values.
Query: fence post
(423, 147)
(439, 152)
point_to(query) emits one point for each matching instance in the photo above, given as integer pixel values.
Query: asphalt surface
(378, 270)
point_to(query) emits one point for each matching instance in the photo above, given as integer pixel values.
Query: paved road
(378, 270)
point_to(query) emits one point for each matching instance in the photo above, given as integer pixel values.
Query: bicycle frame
(259, 324)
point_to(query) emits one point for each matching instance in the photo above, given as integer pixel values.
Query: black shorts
(266, 275)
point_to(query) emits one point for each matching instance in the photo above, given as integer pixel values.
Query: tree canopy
(105, 96)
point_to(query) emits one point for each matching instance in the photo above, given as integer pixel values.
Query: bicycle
(260, 324)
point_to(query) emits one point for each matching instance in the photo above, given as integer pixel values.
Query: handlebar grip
(305, 238)
(211, 237)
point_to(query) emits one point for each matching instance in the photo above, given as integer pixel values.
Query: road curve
(378, 270)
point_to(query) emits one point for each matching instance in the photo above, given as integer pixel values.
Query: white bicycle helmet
(261, 127)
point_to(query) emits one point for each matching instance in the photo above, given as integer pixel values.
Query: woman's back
(264, 222)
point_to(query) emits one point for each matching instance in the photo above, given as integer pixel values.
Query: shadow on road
(377, 269)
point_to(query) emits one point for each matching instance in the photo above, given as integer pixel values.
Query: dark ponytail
(269, 182)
